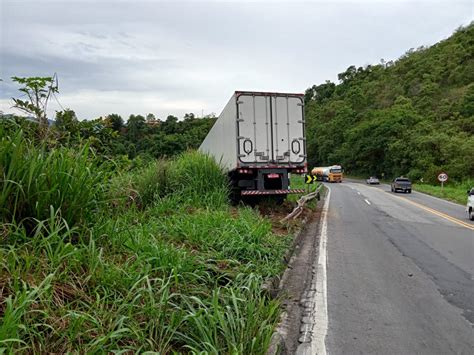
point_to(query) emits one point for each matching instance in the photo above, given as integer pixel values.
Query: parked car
(401, 184)
(470, 204)
(372, 181)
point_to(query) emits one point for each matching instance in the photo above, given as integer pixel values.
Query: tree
(114, 121)
(38, 91)
(413, 117)
(66, 121)
(136, 126)
(150, 117)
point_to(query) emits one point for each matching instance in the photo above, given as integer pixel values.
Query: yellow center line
(437, 213)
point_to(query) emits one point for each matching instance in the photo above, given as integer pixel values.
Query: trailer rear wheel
(252, 200)
(235, 196)
(279, 199)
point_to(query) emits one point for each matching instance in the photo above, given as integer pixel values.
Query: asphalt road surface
(400, 273)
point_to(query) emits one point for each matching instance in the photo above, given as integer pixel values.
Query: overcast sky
(172, 57)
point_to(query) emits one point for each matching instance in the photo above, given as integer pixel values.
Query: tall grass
(141, 187)
(181, 272)
(199, 180)
(33, 179)
(191, 178)
(456, 192)
(235, 320)
(140, 284)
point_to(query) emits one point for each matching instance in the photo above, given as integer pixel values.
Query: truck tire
(279, 199)
(409, 191)
(471, 214)
(234, 196)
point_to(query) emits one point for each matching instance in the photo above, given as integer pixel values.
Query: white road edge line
(367, 201)
(318, 340)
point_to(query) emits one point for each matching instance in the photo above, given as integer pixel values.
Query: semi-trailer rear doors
(270, 129)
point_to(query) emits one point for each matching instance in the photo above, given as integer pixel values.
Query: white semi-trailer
(259, 138)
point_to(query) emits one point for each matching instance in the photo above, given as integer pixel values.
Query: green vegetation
(138, 139)
(103, 255)
(453, 192)
(35, 179)
(413, 116)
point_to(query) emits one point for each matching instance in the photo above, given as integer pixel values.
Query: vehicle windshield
(336, 171)
(403, 180)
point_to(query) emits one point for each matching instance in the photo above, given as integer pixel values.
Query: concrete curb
(275, 285)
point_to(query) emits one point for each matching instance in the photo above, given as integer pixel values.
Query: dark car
(401, 184)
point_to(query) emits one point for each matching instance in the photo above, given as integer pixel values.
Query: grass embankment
(148, 260)
(456, 192)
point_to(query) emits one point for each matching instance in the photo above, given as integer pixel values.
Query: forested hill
(413, 116)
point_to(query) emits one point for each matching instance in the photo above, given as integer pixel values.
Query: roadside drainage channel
(297, 287)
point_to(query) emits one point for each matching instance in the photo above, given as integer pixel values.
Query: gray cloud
(175, 57)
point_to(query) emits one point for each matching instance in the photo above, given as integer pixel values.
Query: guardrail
(301, 202)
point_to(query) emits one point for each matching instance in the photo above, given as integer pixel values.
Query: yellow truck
(328, 173)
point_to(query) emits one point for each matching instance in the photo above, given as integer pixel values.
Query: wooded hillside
(412, 116)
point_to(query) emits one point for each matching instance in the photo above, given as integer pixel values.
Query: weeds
(456, 192)
(236, 320)
(168, 266)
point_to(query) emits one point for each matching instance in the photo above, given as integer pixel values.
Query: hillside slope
(413, 116)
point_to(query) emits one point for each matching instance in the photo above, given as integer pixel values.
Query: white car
(372, 181)
(470, 204)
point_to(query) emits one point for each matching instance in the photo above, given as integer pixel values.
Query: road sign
(443, 177)
(309, 179)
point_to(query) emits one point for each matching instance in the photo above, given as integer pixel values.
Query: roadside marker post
(310, 179)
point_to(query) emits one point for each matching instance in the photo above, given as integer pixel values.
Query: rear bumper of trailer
(271, 192)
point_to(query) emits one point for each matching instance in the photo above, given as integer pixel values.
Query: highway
(399, 275)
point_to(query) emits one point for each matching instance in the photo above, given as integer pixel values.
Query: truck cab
(470, 204)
